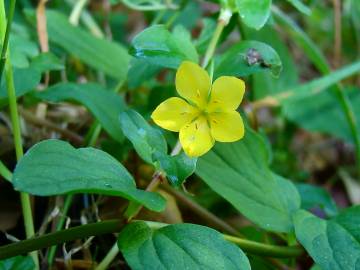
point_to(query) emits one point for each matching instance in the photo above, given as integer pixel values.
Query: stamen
(198, 93)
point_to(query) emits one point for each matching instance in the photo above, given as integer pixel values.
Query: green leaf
(180, 246)
(333, 244)
(21, 49)
(54, 167)
(146, 140)
(26, 79)
(264, 83)
(299, 5)
(151, 146)
(177, 168)
(239, 172)
(312, 196)
(246, 58)
(319, 112)
(254, 13)
(104, 104)
(160, 47)
(101, 54)
(17, 263)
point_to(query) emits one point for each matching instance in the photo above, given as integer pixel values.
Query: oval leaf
(160, 47)
(254, 13)
(248, 57)
(54, 167)
(180, 246)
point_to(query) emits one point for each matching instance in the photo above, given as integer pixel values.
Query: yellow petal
(226, 126)
(226, 94)
(195, 137)
(193, 83)
(174, 113)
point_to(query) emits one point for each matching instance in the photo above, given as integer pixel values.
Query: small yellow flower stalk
(206, 113)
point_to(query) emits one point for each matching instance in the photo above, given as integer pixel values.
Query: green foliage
(195, 246)
(27, 78)
(17, 263)
(104, 104)
(240, 173)
(333, 244)
(254, 13)
(313, 196)
(159, 47)
(248, 57)
(54, 167)
(150, 144)
(100, 54)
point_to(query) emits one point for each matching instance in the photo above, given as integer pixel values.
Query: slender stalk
(112, 226)
(5, 39)
(5, 172)
(265, 249)
(108, 258)
(24, 197)
(223, 20)
(60, 225)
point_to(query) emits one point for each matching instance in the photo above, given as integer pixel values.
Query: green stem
(224, 18)
(265, 249)
(5, 43)
(108, 258)
(60, 225)
(5, 172)
(24, 197)
(112, 226)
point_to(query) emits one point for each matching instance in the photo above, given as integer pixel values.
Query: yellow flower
(209, 113)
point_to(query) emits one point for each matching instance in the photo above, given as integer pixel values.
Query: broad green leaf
(101, 54)
(26, 79)
(54, 167)
(151, 146)
(104, 104)
(160, 47)
(17, 263)
(333, 244)
(239, 172)
(246, 58)
(179, 246)
(146, 140)
(312, 196)
(140, 71)
(319, 112)
(254, 13)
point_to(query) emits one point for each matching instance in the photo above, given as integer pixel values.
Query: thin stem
(24, 197)
(56, 238)
(265, 249)
(5, 43)
(223, 20)
(60, 225)
(5, 172)
(112, 226)
(108, 258)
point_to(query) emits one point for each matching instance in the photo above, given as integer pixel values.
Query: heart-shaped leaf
(180, 246)
(54, 167)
